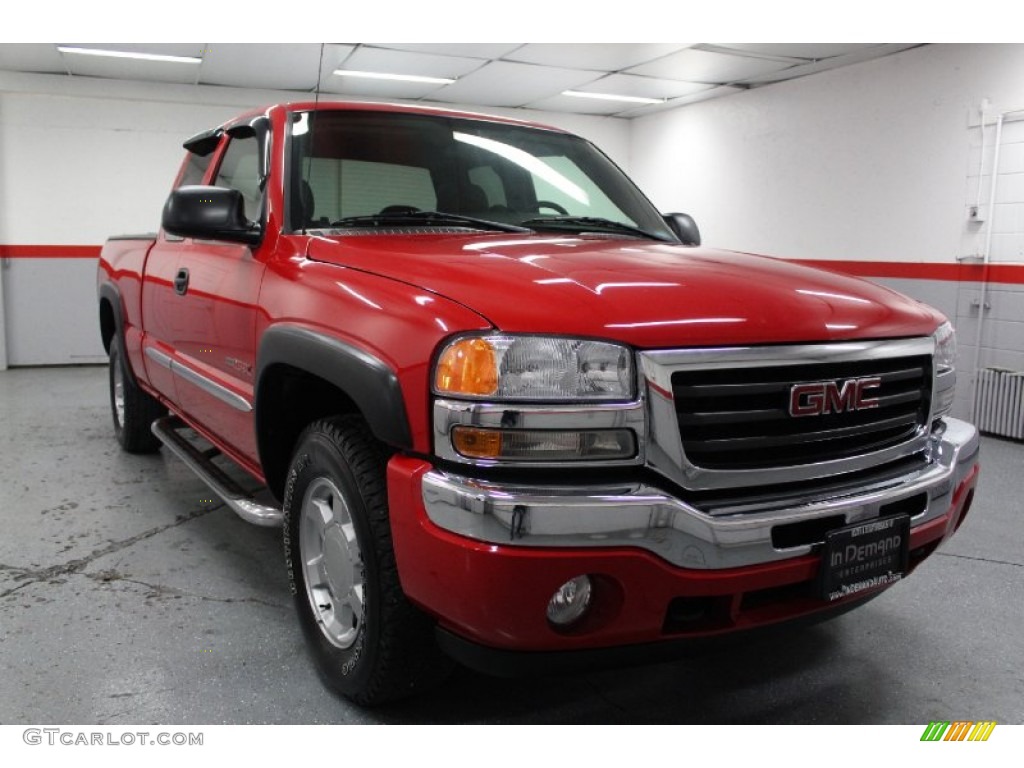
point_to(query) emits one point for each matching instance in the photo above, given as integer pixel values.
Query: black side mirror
(684, 227)
(209, 213)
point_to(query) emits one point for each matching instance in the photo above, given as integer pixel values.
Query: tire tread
(406, 657)
(140, 409)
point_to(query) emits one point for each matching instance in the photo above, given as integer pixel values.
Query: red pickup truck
(509, 414)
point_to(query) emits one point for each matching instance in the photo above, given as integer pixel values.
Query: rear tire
(370, 644)
(133, 410)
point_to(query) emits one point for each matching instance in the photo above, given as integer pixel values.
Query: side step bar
(168, 429)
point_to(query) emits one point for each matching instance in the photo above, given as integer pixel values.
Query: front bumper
(484, 558)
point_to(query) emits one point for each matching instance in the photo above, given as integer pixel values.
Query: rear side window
(240, 170)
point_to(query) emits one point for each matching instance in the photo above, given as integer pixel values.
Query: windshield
(349, 169)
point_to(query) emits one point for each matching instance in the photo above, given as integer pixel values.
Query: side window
(240, 170)
(195, 169)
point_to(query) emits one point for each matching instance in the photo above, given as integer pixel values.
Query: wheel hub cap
(332, 562)
(338, 565)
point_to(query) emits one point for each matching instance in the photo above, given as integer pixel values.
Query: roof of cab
(375, 106)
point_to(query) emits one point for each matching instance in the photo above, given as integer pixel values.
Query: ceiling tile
(268, 65)
(507, 84)
(578, 106)
(409, 63)
(608, 57)
(645, 109)
(136, 69)
(471, 50)
(861, 53)
(796, 50)
(648, 87)
(706, 67)
(378, 89)
(31, 57)
(132, 69)
(165, 49)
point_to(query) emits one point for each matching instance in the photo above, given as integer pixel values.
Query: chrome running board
(241, 503)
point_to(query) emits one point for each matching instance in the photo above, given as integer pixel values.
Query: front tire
(369, 643)
(133, 410)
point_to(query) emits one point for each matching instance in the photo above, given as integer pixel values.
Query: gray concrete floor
(126, 596)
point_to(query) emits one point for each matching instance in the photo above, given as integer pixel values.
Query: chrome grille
(738, 418)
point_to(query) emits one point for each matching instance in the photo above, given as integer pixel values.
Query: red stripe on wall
(993, 273)
(49, 251)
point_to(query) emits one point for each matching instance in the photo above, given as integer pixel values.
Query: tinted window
(345, 164)
(240, 170)
(357, 187)
(195, 169)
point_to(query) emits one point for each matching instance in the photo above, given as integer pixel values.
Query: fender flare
(110, 293)
(371, 384)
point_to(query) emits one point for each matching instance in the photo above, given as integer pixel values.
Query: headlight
(534, 368)
(945, 369)
(945, 349)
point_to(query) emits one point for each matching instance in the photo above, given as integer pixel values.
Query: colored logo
(959, 730)
(823, 397)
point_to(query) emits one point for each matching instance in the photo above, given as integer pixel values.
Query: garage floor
(139, 600)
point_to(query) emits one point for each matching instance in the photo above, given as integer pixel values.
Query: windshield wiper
(424, 218)
(590, 223)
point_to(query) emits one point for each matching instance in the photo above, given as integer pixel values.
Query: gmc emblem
(824, 397)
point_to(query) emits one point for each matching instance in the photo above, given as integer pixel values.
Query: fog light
(570, 601)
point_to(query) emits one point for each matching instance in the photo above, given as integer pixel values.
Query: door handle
(181, 282)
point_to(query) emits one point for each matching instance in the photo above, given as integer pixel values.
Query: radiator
(999, 402)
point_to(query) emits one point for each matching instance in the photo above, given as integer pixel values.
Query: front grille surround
(704, 459)
(739, 418)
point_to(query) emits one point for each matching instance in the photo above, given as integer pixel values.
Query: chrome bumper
(644, 516)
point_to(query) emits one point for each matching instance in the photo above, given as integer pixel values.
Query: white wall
(84, 158)
(77, 164)
(867, 162)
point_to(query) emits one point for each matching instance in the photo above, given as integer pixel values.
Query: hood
(642, 293)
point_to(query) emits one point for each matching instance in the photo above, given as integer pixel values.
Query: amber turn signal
(477, 443)
(544, 444)
(467, 367)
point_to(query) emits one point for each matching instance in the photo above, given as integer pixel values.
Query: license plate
(865, 555)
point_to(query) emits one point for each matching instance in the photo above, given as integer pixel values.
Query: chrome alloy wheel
(119, 394)
(332, 563)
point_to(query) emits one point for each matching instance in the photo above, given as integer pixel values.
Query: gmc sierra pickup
(507, 413)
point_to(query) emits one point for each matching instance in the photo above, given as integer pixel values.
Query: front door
(218, 287)
(209, 314)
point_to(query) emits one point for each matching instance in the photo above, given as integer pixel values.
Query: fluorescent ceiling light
(130, 55)
(613, 97)
(388, 76)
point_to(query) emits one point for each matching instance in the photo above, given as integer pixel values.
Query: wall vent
(999, 402)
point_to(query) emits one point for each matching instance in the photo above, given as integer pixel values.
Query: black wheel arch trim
(371, 384)
(109, 292)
